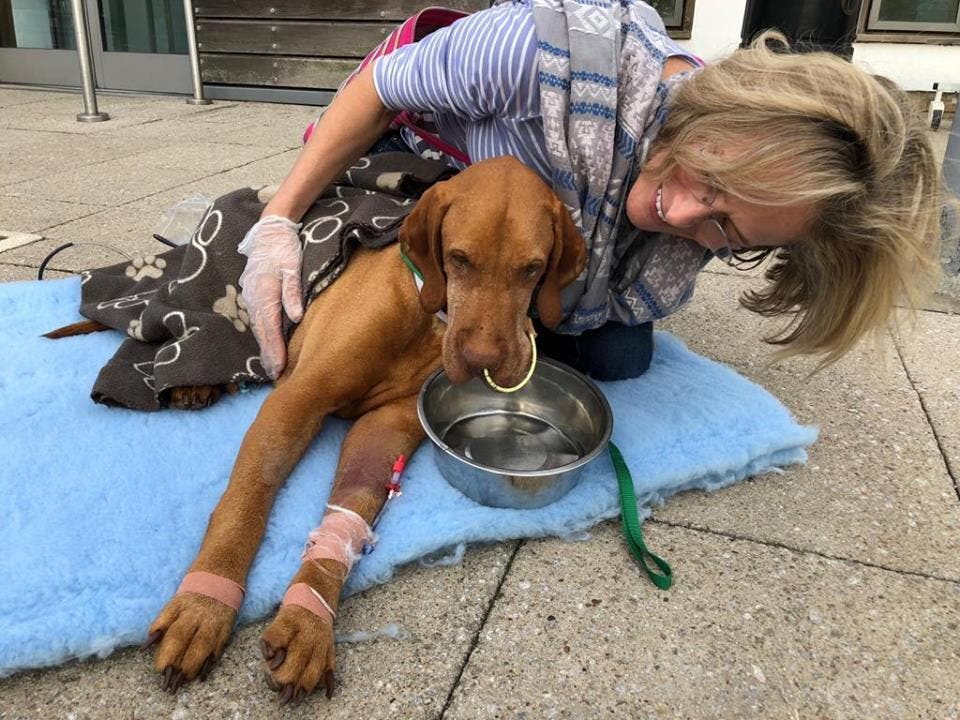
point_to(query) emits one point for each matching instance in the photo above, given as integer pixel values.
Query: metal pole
(90, 113)
(197, 98)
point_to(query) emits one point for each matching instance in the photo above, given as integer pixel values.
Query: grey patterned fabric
(182, 310)
(603, 103)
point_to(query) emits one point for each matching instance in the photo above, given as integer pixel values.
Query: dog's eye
(532, 270)
(459, 260)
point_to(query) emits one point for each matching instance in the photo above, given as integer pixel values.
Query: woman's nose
(685, 209)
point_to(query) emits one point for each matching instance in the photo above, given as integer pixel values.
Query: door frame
(144, 72)
(147, 72)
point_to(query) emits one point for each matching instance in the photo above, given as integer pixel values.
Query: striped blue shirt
(478, 78)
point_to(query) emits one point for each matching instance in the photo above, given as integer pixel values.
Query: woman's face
(683, 205)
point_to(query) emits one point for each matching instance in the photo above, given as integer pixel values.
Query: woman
(662, 163)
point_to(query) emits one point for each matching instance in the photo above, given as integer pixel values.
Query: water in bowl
(512, 441)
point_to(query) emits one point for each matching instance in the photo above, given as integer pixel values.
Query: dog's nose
(479, 357)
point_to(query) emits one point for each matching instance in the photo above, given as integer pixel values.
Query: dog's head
(483, 241)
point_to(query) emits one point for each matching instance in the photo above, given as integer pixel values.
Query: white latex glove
(271, 279)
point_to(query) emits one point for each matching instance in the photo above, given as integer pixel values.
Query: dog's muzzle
(526, 379)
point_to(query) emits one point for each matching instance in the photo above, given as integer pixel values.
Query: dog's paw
(190, 634)
(298, 653)
(197, 397)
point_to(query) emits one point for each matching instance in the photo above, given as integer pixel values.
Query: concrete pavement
(829, 591)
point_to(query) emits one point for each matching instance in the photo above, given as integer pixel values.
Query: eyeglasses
(711, 231)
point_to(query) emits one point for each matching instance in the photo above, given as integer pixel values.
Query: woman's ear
(421, 237)
(567, 260)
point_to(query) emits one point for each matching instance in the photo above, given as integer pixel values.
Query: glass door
(135, 44)
(37, 44)
(140, 45)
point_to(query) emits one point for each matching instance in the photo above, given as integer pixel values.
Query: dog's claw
(267, 649)
(287, 695)
(167, 676)
(178, 681)
(271, 683)
(330, 682)
(207, 666)
(152, 639)
(278, 658)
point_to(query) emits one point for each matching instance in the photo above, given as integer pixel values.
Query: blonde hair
(813, 129)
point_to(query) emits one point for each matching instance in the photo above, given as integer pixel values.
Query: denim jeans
(389, 142)
(609, 352)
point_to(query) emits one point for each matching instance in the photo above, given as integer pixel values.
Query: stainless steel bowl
(516, 450)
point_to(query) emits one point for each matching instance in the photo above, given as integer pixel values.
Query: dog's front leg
(298, 646)
(193, 628)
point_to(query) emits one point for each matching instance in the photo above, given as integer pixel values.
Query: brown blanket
(182, 310)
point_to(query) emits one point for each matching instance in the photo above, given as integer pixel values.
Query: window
(671, 11)
(915, 15)
(677, 16)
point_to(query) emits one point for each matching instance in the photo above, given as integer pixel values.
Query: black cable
(166, 242)
(49, 257)
(52, 253)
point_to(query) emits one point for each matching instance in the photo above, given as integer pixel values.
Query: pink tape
(213, 586)
(340, 537)
(304, 596)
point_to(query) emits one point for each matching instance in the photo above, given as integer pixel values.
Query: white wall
(912, 67)
(716, 32)
(716, 28)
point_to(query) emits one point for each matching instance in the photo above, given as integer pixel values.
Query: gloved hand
(270, 279)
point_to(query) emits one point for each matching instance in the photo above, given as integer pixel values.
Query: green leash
(631, 526)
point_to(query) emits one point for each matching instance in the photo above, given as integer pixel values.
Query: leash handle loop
(631, 526)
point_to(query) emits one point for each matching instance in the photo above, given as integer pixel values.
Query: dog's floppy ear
(422, 240)
(567, 259)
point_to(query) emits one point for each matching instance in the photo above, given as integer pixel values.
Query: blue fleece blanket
(102, 509)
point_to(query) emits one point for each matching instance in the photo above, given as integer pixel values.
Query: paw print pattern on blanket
(145, 266)
(135, 329)
(233, 308)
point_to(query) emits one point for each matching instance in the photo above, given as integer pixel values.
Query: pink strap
(430, 139)
(304, 596)
(412, 29)
(213, 586)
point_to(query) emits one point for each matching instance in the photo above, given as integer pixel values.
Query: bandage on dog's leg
(219, 588)
(306, 597)
(340, 538)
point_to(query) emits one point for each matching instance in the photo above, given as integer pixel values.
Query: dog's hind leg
(298, 645)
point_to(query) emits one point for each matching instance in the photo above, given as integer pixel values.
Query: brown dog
(483, 241)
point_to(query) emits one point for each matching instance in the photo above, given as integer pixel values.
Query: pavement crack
(951, 471)
(802, 551)
(483, 623)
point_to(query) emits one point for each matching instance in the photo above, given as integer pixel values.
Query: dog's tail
(85, 327)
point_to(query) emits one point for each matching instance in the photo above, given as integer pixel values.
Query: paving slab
(748, 631)
(438, 612)
(207, 158)
(58, 113)
(134, 176)
(15, 273)
(270, 127)
(114, 182)
(875, 489)
(10, 96)
(49, 154)
(130, 227)
(931, 355)
(35, 215)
